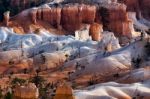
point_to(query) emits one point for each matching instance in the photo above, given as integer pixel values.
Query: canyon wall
(141, 7)
(29, 91)
(64, 92)
(72, 17)
(114, 18)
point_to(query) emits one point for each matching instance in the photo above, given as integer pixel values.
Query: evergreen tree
(8, 95)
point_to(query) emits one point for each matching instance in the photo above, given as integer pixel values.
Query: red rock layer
(71, 17)
(74, 16)
(114, 18)
(51, 15)
(95, 31)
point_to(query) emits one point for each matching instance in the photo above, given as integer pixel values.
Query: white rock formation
(112, 90)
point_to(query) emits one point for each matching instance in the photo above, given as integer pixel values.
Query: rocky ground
(94, 49)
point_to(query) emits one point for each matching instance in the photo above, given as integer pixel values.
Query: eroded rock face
(51, 15)
(33, 13)
(45, 13)
(64, 92)
(72, 17)
(29, 91)
(95, 31)
(114, 18)
(49, 60)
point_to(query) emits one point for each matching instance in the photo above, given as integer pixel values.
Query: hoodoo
(6, 18)
(29, 91)
(64, 92)
(73, 17)
(95, 31)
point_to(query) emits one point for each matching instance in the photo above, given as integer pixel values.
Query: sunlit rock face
(118, 23)
(45, 13)
(72, 17)
(95, 31)
(29, 91)
(82, 34)
(50, 14)
(64, 92)
(139, 6)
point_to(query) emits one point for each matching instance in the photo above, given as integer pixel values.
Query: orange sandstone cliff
(71, 17)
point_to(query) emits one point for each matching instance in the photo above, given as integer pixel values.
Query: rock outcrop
(114, 18)
(72, 17)
(10, 57)
(26, 92)
(64, 92)
(52, 15)
(95, 31)
(33, 14)
(82, 34)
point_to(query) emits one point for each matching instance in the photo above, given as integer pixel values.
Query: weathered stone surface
(48, 14)
(82, 34)
(33, 14)
(72, 17)
(64, 92)
(49, 60)
(95, 31)
(114, 18)
(29, 91)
